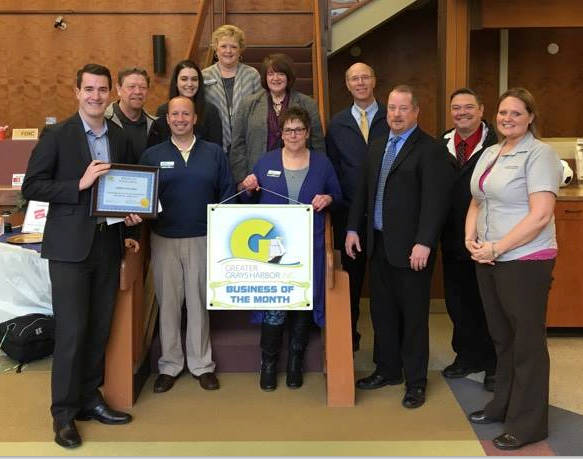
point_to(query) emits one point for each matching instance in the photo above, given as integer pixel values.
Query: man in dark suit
(404, 189)
(349, 134)
(84, 252)
(471, 340)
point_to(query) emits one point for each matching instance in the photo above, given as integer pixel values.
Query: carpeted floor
(239, 419)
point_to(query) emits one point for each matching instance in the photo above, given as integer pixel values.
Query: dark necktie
(460, 152)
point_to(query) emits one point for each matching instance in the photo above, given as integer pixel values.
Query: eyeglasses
(363, 78)
(297, 131)
(459, 108)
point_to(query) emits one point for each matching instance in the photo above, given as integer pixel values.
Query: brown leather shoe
(164, 383)
(207, 381)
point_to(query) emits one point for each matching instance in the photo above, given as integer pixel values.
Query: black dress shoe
(479, 417)
(490, 382)
(66, 435)
(208, 381)
(414, 397)
(459, 370)
(164, 383)
(104, 414)
(377, 380)
(507, 442)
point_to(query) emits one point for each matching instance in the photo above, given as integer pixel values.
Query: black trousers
(399, 310)
(470, 340)
(84, 296)
(515, 297)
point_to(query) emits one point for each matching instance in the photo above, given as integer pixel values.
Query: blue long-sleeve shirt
(185, 189)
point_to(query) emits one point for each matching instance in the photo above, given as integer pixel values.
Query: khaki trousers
(179, 266)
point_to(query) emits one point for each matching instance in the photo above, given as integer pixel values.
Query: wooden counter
(565, 307)
(571, 193)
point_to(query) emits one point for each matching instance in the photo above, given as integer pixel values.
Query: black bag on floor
(27, 338)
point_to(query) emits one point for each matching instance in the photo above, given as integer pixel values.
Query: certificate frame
(104, 203)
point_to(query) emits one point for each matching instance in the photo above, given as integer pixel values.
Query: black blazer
(453, 237)
(57, 163)
(346, 149)
(209, 127)
(416, 197)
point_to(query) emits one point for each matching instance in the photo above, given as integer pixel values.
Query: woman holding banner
(306, 177)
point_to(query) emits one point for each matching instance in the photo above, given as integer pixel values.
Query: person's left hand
(321, 201)
(419, 255)
(250, 183)
(132, 244)
(482, 253)
(132, 220)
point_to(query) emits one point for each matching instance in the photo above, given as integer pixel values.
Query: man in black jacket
(84, 252)
(349, 134)
(471, 341)
(404, 190)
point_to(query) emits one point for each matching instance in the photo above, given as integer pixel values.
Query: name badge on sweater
(272, 173)
(167, 164)
(210, 81)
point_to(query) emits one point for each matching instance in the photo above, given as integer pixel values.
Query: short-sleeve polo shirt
(530, 167)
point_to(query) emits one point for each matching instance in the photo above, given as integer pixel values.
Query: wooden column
(453, 40)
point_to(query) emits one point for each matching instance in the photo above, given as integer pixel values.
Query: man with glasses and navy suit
(349, 134)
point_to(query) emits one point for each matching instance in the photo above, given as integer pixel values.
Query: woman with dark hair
(187, 81)
(256, 126)
(295, 173)
(510, 233)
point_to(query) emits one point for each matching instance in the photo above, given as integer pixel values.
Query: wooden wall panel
(39, 62)
(484, 67)
(555, 80)
(99, 5)
(404, 50)
(529, 13)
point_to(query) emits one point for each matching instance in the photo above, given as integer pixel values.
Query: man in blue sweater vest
(193, 173)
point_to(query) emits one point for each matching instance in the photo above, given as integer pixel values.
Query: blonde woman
(228, 81)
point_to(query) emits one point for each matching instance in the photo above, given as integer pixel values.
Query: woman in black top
(187, 81)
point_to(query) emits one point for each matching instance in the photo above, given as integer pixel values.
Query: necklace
(277, 105)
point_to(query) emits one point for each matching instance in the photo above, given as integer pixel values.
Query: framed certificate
(126, 189)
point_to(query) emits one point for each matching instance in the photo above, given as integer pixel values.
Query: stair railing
(338, 358)
(210, 15)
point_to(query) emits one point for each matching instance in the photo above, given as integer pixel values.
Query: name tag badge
(210, 81)
(167, 164)
(272, 173)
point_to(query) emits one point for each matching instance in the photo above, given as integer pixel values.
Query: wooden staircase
(235, 341)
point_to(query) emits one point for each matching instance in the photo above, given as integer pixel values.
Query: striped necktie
(388, 160)
(363, 124)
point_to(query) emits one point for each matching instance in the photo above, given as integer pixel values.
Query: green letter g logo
(241, 235)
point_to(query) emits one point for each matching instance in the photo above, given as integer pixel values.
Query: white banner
(260, 257)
